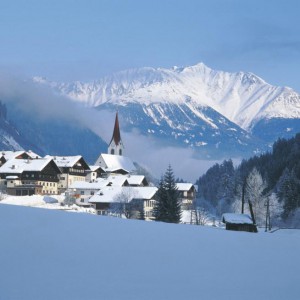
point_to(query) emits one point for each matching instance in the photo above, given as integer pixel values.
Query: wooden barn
(238, 222)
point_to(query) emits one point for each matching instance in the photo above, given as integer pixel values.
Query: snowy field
(49, 254)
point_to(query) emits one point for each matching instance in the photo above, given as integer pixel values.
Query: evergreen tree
(167, 208)
(289, 192)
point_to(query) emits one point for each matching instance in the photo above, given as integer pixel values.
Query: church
(114, 162)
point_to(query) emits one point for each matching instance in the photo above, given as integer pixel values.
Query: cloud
(41, 102)
(156, 158)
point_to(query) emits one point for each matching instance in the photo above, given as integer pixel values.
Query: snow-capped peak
(242, 97)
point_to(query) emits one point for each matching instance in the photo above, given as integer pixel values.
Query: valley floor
(49, 254)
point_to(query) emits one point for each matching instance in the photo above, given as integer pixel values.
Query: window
(81, 192)
(120, 152)
(81, 200)
(92, 193)
(112, 151)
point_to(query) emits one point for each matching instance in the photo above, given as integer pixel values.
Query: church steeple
(116, 146)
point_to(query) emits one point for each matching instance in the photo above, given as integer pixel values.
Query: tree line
(270, 182)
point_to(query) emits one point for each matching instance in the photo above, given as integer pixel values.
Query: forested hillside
(271, 179)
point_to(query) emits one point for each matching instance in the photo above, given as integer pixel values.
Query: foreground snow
(48, 254)
(48, 202)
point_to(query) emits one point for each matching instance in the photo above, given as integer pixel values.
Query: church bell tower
(116, 146)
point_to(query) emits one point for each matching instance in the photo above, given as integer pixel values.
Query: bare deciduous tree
(127, 204)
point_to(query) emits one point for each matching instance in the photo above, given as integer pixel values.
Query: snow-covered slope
(57, 255)
(242, 97)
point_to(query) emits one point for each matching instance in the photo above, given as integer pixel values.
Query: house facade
(28, 177)
(72, 168)
(187, 195)
(140, 199)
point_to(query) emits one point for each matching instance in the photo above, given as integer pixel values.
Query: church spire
(116, 146)
(116, 134)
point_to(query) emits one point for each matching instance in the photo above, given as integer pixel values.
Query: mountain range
(216, 113)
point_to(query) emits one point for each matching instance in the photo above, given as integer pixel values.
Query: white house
(73, 168)
(93, 173)
(108, 195)
(187, 195)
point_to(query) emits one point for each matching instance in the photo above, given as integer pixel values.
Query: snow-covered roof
(135, 179)
(116, 162)
(236, 218)
(184, 186)
(84, 185)
(111, 194)
(116, 180)
(66, 161)
(111, 180)
(18, 166)
(94, 168)
(11, 154)
(32, 154)
(144, 192)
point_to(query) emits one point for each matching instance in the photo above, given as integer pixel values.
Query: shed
(238, 222)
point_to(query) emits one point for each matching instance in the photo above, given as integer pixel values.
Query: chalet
(238, 222)
(73, 168)
(28, 177)
(187, 195)
(144, 196)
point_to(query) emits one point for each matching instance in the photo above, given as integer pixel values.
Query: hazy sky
(84, 40)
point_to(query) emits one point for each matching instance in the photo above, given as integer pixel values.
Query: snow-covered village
(112, 186)
(149, 150)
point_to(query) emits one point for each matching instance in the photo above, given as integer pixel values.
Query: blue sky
(83, 40)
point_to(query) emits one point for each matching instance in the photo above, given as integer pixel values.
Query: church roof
(116, 162)
(116, 134)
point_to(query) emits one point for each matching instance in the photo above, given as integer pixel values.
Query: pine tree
(167, 208)
(289, 192)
